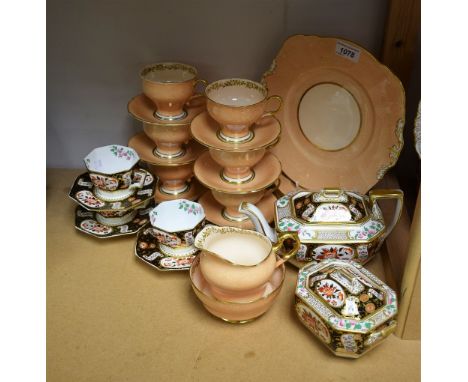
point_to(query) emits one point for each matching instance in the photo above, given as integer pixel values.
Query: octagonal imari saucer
(85, 221)
(147, 250)
(82, 193)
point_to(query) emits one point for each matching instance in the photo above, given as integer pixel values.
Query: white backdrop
(95, 49)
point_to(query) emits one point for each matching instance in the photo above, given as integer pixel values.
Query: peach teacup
(173, 179)
(237, 165)
(169, 138)
(170, 85)
(236, 104)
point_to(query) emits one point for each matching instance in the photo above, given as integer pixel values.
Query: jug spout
(259, 221)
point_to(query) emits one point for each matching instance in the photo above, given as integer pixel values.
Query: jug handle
(291, 252)
(376, 195)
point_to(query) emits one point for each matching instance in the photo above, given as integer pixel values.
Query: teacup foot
(174, 192)
(238, 218)
(116, 221)
(177, 154)
(113, 196)
(177, 117)
(225, 138)
(242, 180)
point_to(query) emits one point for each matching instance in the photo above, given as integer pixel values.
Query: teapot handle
(376, 195)
(291, 252)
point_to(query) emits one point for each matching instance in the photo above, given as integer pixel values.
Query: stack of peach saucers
(166, 108)
(237, 131)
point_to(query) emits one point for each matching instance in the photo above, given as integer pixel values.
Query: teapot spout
(259, 221)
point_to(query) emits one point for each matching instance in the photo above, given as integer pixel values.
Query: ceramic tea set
(216, 212)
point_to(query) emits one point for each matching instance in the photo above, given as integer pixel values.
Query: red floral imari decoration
(330, 292)
(328, 253)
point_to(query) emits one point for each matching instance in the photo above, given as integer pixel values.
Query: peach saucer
(205, 131)
(145, 148)
(213, 211)
(143, 109)
(286, 185)
(193, 193)
(208, 172)
(236, 312)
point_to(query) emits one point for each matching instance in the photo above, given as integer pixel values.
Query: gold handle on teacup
(376, 195)
(197, 95)
(140, 182)
(271, 113)
(200, 81)
(291, 252)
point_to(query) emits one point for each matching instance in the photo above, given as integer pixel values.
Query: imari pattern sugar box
(345, 306)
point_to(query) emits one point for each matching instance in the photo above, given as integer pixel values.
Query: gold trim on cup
(236, 82)
(168, 66)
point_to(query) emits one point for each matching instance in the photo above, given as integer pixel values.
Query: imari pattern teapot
(331, 223)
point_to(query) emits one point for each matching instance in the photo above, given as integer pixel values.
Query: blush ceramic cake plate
(342, 116)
